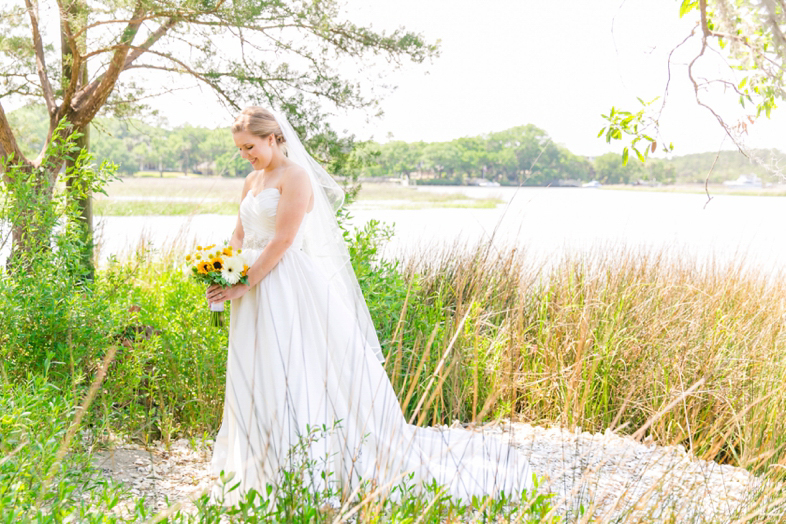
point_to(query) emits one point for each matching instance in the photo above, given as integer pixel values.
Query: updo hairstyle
(259, 122)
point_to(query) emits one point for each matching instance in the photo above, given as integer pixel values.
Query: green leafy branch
(636, 125)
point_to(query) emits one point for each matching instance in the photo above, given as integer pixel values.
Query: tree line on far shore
(520, 155)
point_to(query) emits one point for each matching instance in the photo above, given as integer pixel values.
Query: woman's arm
(236, 242)
(238, 234)
(295, 197)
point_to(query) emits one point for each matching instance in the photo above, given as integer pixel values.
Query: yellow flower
(199, 248)
(227, 251)
(205, 267)
(245, 268)
(188, 258)
(217, 263)
(198, 256)
(239, 251)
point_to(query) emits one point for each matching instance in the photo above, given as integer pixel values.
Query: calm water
(551, 222)
(547, 222)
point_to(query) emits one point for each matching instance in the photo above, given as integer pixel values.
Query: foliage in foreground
(37, 486)
(469, 334)
(165, 380)
(587, 343)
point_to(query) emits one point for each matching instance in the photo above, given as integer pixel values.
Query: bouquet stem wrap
(217, 314)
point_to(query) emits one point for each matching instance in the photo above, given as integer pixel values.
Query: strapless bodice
(258, 215)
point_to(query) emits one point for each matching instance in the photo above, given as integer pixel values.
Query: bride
(304, 354)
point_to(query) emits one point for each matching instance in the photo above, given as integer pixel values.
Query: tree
(286, 54)
(610, 169)
(442, 158)
(364, 159)
(750, 36)
(401, 158)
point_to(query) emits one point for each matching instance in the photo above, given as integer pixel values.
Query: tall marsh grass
(648, 345)
(606, 340)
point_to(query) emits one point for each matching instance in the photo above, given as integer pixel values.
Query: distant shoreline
(714, 189)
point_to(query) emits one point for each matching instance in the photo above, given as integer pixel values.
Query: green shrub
(35, 485)
(168, 378)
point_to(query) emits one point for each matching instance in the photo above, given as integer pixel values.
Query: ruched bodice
(258, 215)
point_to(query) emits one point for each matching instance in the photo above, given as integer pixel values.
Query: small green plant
(34, 485)
(306, 492)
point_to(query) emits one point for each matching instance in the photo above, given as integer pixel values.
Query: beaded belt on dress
(252, 241)
(255, 241)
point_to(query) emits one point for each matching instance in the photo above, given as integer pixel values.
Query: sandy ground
(611, 476)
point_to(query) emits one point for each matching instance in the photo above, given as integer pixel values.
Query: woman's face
(258, 151)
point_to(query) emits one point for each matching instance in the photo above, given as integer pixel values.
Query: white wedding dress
(297, 360)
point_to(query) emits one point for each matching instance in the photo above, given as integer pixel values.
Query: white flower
(233, 269)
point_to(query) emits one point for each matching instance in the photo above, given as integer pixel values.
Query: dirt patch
(164, 477)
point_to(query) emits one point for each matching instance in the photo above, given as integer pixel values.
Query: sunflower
(217, 263)
(205, 267)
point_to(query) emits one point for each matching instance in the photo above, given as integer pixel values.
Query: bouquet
(223, 266)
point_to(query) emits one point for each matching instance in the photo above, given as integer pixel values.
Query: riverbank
(774, 190)
(189, 195)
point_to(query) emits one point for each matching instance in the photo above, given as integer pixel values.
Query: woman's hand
(218, 294)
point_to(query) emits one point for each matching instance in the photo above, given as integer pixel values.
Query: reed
(606, 340)
(648, 344)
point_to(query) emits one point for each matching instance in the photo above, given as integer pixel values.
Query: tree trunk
(85, 206)
(83, 203)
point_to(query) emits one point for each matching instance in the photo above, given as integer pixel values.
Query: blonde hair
(259, 122)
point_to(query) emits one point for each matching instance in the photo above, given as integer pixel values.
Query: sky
(558, 65)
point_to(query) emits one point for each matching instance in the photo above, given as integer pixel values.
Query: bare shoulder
(295, 179)
(249, 182)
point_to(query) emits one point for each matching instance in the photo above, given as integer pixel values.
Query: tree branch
(778, 36)
(705, 28)
(39, 60)
(135, 20)
(152, 39)
(8, 145)
(90, 98)
(136, 52)
(18, 90)
(706, 33)
(177, 14)
(187, 69)
(76, 62)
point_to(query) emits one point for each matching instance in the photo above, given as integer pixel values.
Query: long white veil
(304, 355)
(322, 237)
